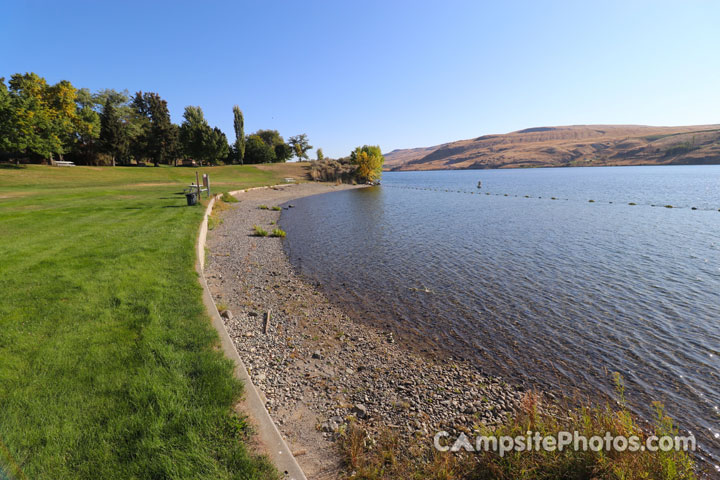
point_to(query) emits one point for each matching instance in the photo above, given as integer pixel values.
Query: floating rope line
(442, 190)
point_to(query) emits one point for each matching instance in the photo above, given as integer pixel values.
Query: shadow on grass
(11, 166)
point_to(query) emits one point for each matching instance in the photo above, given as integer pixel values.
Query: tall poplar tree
(239, 124)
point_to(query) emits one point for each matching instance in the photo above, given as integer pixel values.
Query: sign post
(206, 183)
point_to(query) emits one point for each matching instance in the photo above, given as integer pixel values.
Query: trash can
(191, 198)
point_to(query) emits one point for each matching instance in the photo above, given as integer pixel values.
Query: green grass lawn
(108, 362)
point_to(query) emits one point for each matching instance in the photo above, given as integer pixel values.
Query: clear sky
(395, 73)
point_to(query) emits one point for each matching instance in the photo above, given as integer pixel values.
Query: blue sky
(395, 73)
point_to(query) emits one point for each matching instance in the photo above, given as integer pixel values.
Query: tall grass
(227, 198)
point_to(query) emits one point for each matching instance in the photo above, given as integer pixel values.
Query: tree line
(42, 122)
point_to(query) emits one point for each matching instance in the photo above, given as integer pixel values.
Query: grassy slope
(107, 365)
(579, 145)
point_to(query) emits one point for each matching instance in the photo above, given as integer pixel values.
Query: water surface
(551, 290)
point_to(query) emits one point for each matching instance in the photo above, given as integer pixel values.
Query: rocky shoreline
(317, 368)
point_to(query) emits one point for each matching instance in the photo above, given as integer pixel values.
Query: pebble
(321, 359)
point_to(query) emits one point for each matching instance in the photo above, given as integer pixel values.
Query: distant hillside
(571, 146)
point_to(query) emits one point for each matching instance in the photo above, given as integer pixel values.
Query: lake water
(553, 293)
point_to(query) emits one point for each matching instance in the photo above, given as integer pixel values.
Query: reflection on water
(534, 281)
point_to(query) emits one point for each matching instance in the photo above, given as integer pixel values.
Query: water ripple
(555, 293)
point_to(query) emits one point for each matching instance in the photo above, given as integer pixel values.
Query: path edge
(267, 432)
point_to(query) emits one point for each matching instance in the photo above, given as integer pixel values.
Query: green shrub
(263, 207)
(276, 209)
(259, 231)
(277, 232)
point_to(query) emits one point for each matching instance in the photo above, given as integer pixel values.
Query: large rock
(360, 410)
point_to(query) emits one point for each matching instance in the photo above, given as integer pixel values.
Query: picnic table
(63, 163)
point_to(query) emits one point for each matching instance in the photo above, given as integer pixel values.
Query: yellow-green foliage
(369, 161)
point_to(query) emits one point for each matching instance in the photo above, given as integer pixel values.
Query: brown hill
(570, 146)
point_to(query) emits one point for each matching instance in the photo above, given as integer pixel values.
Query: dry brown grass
(389, 456)
(297, 170)
(338, 171)
(580, 145)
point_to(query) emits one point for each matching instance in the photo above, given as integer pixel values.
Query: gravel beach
(317, 368)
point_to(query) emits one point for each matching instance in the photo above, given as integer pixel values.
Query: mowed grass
(109, 367)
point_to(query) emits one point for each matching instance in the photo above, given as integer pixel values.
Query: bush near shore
(340, 170)
(363, 165)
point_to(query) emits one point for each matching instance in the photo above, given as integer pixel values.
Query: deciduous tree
(300, 146)
(257, 151)
(31, 127)
(369, 161)
(87, 127)
(6, 118)
(276, 150)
